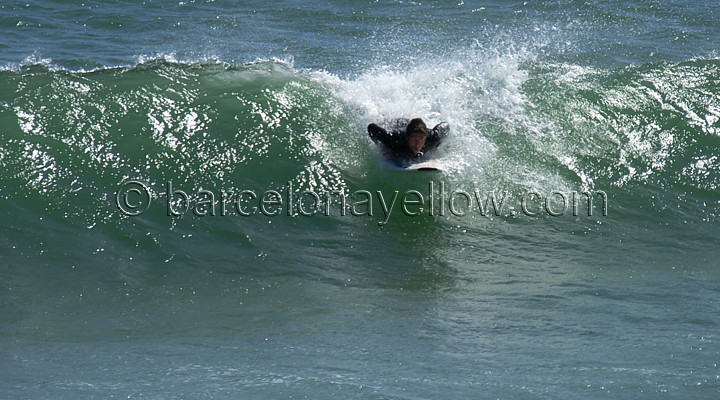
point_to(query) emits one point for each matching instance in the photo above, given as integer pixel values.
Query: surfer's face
(416, 141)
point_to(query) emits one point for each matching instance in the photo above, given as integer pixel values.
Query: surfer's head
(416, 133)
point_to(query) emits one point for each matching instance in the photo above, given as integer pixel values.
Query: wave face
(70, 138)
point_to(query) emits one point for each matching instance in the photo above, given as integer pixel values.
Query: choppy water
(104, 105)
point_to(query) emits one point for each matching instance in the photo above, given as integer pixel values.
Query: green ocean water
(199, 223)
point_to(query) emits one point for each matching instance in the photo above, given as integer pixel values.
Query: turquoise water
(161, 235)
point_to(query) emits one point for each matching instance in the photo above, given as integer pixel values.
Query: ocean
(191, 207)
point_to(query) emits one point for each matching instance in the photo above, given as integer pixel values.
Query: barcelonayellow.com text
(135, 197)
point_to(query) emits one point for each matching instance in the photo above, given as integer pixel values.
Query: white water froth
(465, 91)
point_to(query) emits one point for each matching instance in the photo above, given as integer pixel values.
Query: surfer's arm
(441, 130)
(377, 133)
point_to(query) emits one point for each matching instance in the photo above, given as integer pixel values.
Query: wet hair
(416, 126)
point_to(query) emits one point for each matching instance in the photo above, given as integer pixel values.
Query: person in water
(409, 142)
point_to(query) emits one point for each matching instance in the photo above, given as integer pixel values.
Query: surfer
(408, 142)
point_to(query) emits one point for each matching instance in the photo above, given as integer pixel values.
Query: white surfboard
(431, 165)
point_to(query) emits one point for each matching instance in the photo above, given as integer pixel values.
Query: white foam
(31, 60)
(463, 89)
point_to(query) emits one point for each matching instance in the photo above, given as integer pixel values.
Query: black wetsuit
(396, 144)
